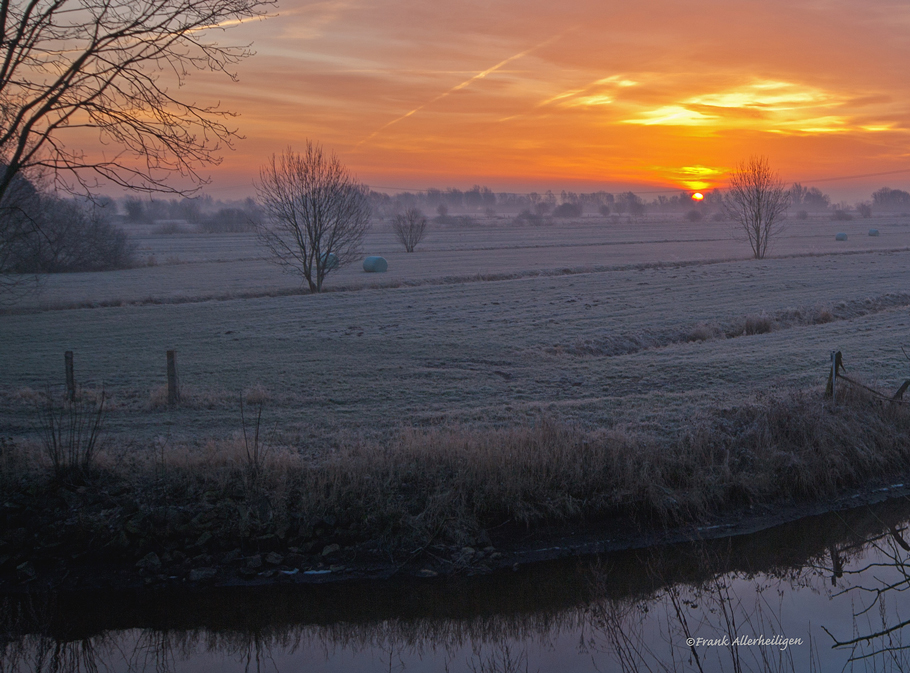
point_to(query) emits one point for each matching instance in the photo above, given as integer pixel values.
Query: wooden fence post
(834, 376)
(70, 378)
(173, 392)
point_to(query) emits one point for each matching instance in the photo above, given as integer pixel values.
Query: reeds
(453, 484)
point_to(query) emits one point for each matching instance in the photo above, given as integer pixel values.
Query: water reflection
(827, 593)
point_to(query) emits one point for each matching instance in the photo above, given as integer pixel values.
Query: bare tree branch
(67, 65)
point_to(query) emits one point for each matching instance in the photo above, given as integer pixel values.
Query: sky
(533, 94)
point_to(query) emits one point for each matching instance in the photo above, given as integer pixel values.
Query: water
(834, 587)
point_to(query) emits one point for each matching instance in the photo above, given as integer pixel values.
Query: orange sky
(536, 94)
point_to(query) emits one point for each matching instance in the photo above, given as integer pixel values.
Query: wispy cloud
(462, 85)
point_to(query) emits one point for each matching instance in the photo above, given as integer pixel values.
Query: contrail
(458, 87)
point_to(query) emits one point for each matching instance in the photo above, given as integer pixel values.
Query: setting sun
(698, 196)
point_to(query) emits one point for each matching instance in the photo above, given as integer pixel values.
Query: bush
(694, 216)
(66, 236)
(842, 215)
(802, 215)
(567, 210)
(527, 217)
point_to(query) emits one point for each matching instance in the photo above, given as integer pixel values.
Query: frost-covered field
(615, 341)
(192, 266)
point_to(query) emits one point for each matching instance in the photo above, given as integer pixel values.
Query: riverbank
(439, 502)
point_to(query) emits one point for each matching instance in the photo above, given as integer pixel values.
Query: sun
(698, 196)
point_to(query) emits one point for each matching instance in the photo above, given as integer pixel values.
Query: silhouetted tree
(891, 199)
(809, 198)
(757, 202)
(315, 213)
(410, 228)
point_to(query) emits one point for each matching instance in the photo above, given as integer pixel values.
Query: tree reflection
(636, 611)
(879, 613)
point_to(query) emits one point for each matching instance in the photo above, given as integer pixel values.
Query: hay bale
(329, 260)
(873, 232)
(375, 264)
(841, 237)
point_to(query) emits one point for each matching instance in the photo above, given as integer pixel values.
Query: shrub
(757, 324)
(567, 210)
(842, 215)
(527, 217)
(67, 236)
(694, 216)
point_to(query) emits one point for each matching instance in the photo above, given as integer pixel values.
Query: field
(635, 324)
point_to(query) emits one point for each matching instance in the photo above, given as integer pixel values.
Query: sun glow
(698, 196)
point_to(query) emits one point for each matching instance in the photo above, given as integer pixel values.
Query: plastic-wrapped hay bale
(329, 261)
(375, 264)
(841, 237)
(873, 232)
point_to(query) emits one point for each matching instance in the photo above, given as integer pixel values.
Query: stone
(203, 539)
(274, 558)
(231, 556)
(426, 572)
(26, 571)
(149, 562)
(331, 549)
(201, 574)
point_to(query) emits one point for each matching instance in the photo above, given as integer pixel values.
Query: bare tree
(409, 228)
(316, 213)
(757, 202)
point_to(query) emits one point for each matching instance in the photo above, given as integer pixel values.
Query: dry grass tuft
(757, 324)
(193, 398)
(256, 395)
(703, 332)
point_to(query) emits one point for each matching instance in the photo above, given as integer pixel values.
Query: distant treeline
(483, 200)
(204, 213)
(214, 216)
(804, 200)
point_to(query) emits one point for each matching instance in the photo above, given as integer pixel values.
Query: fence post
(834, 376)
(173, 392)
(70, 378)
